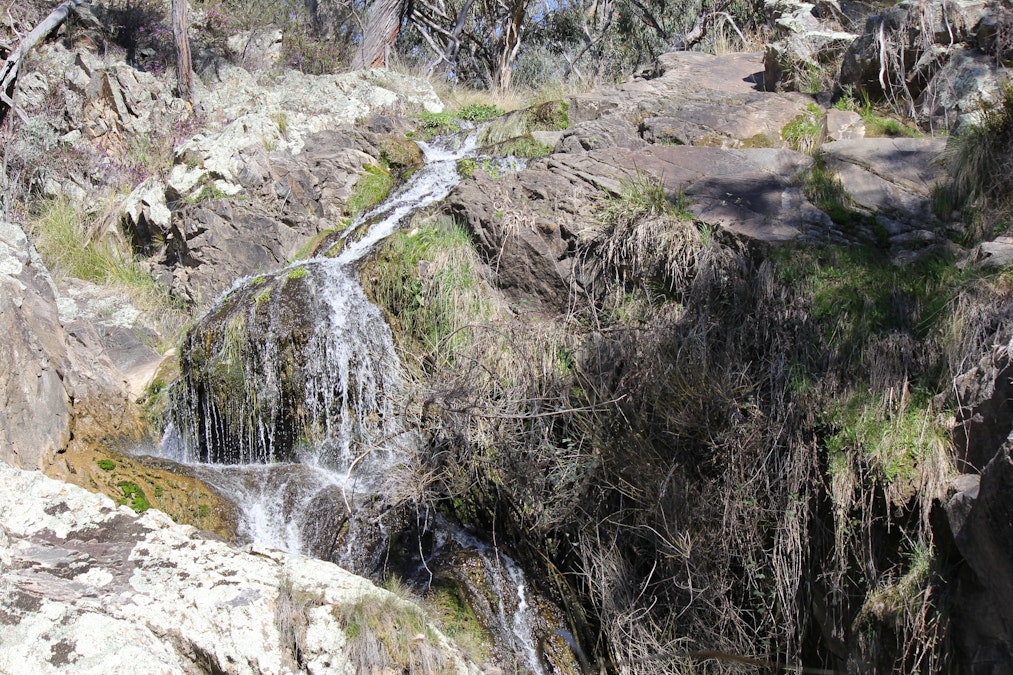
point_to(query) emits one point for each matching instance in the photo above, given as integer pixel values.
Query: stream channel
(301, 497)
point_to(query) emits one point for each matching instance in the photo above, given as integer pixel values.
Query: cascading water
(287, 404)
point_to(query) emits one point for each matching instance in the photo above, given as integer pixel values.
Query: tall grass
(65, 238)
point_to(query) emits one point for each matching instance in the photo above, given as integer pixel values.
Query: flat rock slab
(890, 176)
(699, 99)
(751, 192)
(90, 587)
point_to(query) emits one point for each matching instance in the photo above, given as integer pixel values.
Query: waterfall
(288, 404)
(299, 368)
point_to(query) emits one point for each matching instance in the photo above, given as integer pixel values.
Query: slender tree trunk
(12, 66)
(181, 36)
(382, 25)
(511, 45)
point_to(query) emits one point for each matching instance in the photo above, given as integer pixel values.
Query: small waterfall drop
(299, 368)
(288, 404)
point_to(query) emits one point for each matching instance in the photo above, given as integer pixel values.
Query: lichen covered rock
(94, 588)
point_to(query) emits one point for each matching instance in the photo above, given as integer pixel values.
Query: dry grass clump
(389, 634)
(979, 159)
(71, 246)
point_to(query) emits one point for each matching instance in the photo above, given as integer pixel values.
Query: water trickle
(514, 613)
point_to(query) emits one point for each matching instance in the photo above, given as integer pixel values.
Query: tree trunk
(511, 45)
(12, 66)
(181, 36)
(382, 25)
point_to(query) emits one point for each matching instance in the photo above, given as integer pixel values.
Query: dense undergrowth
(730, 449)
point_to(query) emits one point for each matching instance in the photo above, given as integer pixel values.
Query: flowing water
(352, 433)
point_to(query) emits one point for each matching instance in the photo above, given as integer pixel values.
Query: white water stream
(352, 381)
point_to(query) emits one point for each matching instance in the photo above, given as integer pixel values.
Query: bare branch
(12, 66)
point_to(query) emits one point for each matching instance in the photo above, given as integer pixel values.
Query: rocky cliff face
(57, 382)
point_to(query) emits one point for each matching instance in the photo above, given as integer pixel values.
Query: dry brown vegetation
(729, 448)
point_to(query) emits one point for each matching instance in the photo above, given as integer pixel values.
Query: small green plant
(297, 273)
(466, 167)
(432, 125)
(106, 464)
(209, 193)
(261, 298)
(371, 189)
(644, 196)
(479, 112)
(885, 126)
(133, 496)
(805, 131)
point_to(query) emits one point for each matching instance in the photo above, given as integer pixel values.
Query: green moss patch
(133, 496)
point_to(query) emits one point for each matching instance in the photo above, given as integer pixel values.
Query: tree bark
(12, 65)
(382, 25)
(181, 36)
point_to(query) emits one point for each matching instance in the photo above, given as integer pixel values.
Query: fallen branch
(12, 66)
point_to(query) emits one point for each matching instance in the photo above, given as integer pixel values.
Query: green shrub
(479, 112)
(435, 124)
(106, 464)
(466, 167)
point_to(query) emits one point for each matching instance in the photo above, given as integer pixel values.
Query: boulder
(212, 244)
(94, 588)
(932, 47)
(56, 381)
(608, 132)
(980, 517)
(698, 99)
(842, 125)
(890, 177)
(995, 254)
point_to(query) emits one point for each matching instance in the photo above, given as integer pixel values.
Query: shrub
(106, 464)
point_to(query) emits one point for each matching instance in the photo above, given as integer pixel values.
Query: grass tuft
(979, 159)
(372, 188)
